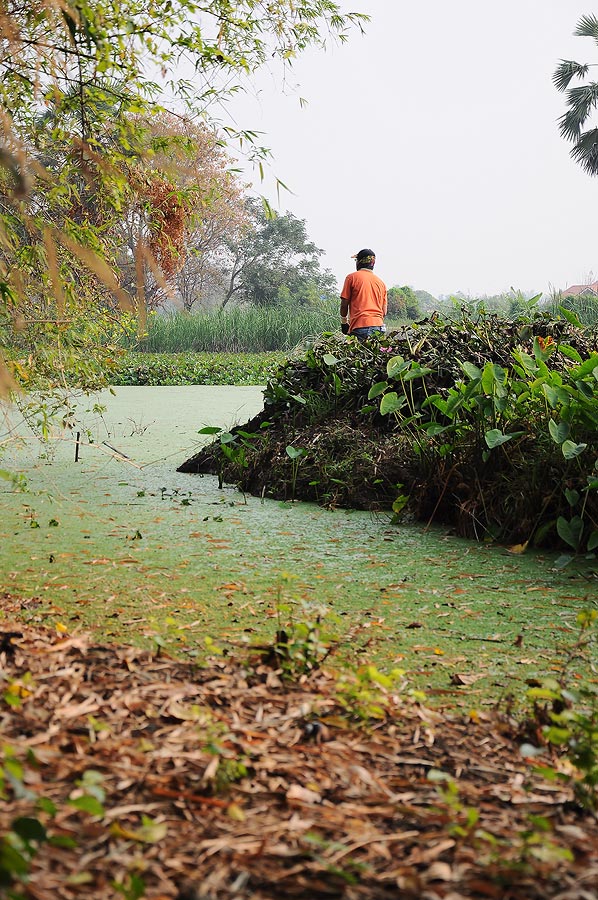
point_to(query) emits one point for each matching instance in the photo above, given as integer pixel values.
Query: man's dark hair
(365, 259)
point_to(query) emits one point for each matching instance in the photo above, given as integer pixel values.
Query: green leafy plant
(89, 795)
(295, 454)
(569, 718)
(18, 847)
(133, 888)
(366, 693)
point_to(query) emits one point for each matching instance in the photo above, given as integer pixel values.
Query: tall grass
(250, 330)
(584, 307)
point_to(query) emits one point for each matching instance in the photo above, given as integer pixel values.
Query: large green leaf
(593, 540)
(495, 437)
(586, 368)
(391, 402)
(527, 362)
(396, 365)
(416, 372)
(377, 389)
(570, 352)
(570, 531)
(571, 449)
(493, 377)
(559, 432)
(470, 370)
(570, 316)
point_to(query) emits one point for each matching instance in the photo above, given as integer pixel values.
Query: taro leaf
(584, 388)
(470, 370)
(416, 372)
(492, 375)
(437, 401)
(527, 362)
(559, 432)
(570, 531)
(295, 452)
(377, 389)
(391, 403)
(593, 540)
(330, 359)
(570, 316)
(495, 437)
(570, 352)
(396, 365)
(571, 449)
(572, 497)
(586, 368)
(435, 428)
(551, 395)
(227, 438)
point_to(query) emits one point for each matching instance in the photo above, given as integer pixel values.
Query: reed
(238, 330)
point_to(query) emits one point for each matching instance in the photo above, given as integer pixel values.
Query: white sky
(433, 140)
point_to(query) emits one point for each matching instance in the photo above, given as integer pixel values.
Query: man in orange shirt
(363, 299)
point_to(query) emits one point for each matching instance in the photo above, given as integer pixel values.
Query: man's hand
(345, 327)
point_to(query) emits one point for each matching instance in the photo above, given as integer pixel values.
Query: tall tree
(582, 101)
(190, 161)
(403, 303)
(275, 262)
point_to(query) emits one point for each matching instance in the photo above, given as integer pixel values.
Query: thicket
(486, 424)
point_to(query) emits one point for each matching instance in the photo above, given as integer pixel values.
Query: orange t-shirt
(366, 294)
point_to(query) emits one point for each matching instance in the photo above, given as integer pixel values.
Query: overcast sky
(433, 140)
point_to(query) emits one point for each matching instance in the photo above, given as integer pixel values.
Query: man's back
(366, 295)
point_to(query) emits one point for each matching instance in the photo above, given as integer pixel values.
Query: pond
(120, 542)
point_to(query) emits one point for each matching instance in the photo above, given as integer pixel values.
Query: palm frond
(582, 101)
(566, 71)
(587, 26)
(585, 151)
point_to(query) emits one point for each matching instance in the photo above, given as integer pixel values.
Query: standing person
(363, 299)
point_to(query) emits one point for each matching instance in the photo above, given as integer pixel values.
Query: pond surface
(121, 542)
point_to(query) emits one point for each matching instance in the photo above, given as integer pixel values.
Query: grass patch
(250, 330)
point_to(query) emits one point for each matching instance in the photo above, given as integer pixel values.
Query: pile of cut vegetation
(485, 424)
(127, 774)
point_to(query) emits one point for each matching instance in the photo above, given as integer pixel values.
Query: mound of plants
(485, 424)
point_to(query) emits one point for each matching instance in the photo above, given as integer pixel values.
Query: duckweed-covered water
(120, 542)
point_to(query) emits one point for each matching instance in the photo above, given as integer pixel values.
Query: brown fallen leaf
(302, 795)
(457, 678)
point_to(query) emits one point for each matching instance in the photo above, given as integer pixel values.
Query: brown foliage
(320, 809)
